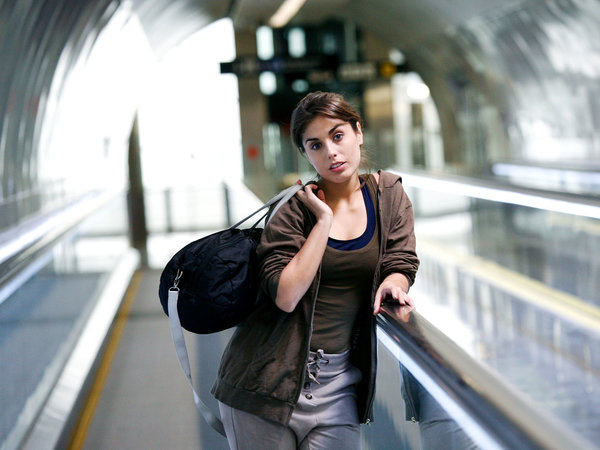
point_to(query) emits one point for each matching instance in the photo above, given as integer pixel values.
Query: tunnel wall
(532, 77)
(48, 65)
(512, 81)
(39, 43)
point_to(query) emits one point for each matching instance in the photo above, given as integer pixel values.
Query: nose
(331, 150)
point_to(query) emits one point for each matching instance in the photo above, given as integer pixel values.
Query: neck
(335, 192)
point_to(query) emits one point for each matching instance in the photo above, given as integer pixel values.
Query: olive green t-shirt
(346, 280)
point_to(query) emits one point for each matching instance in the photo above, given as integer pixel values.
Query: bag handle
(175, 324)
(282, 198)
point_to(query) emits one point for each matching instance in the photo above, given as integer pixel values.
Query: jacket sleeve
(399, 255)
(281, 239)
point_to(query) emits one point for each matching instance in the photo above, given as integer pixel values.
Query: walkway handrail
(22, 245)
(493, 413)
(503, 193)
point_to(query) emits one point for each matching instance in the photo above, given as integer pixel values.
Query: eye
(315, 146)
(338, 136)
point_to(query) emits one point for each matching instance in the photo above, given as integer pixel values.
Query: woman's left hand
(393, 287)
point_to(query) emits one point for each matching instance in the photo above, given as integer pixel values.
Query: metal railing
(485, 407)
(22, 247)
(483, 267)
(503, 193)
(197, 208)
(27, 203)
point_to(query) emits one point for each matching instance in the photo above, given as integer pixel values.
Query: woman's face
(333, 148)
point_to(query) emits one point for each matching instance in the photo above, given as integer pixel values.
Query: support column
(138, 233)
(253, 116)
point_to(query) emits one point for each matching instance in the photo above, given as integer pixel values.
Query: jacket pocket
(263, 355)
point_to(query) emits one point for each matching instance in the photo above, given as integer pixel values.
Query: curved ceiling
(511, 80)
(515, 79)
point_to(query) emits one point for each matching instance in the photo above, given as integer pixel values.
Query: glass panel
(560, 250)
(517, 288)
(41, 321)
(406, 414)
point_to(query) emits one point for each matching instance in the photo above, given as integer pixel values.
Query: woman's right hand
(315, 202)
(298, 274)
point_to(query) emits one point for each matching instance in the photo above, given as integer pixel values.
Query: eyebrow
(330, 132)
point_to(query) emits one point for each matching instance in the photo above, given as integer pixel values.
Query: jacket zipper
(373, 337)
(316, 283)
(310, 330)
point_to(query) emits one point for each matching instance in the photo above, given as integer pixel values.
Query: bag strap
(282, 198)
(184, 361)
(175, 323)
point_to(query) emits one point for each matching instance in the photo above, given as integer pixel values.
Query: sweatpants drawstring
(313, 365)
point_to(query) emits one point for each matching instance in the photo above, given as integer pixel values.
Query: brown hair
(318, 103)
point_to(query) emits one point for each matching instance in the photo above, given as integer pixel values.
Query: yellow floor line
(89, 408)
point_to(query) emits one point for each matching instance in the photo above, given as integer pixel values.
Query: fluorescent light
(267, 82)
(297, 42)
(264, 43)
(286, 11)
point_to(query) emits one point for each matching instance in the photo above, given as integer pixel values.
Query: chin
(340, 177)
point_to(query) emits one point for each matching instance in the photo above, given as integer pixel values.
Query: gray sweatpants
(324, 418)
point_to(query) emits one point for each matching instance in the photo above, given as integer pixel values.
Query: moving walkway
(499, 354)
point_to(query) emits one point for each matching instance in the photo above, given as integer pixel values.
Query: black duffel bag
(215, 277)
(217, 280)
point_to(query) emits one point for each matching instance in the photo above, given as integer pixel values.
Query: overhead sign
(248, 66)
(315, 69)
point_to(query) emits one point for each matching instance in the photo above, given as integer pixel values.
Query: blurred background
(129, 128)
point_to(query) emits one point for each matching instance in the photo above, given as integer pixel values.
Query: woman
(300, 372)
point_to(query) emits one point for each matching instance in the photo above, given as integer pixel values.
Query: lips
(336, 166)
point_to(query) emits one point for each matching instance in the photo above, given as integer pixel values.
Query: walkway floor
(145, 401)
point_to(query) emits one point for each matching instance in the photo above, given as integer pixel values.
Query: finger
(376, 306)
(313, 190)
(404, 299)
(397, 294)
(309, 189)
(377, 302)
(303, 196)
